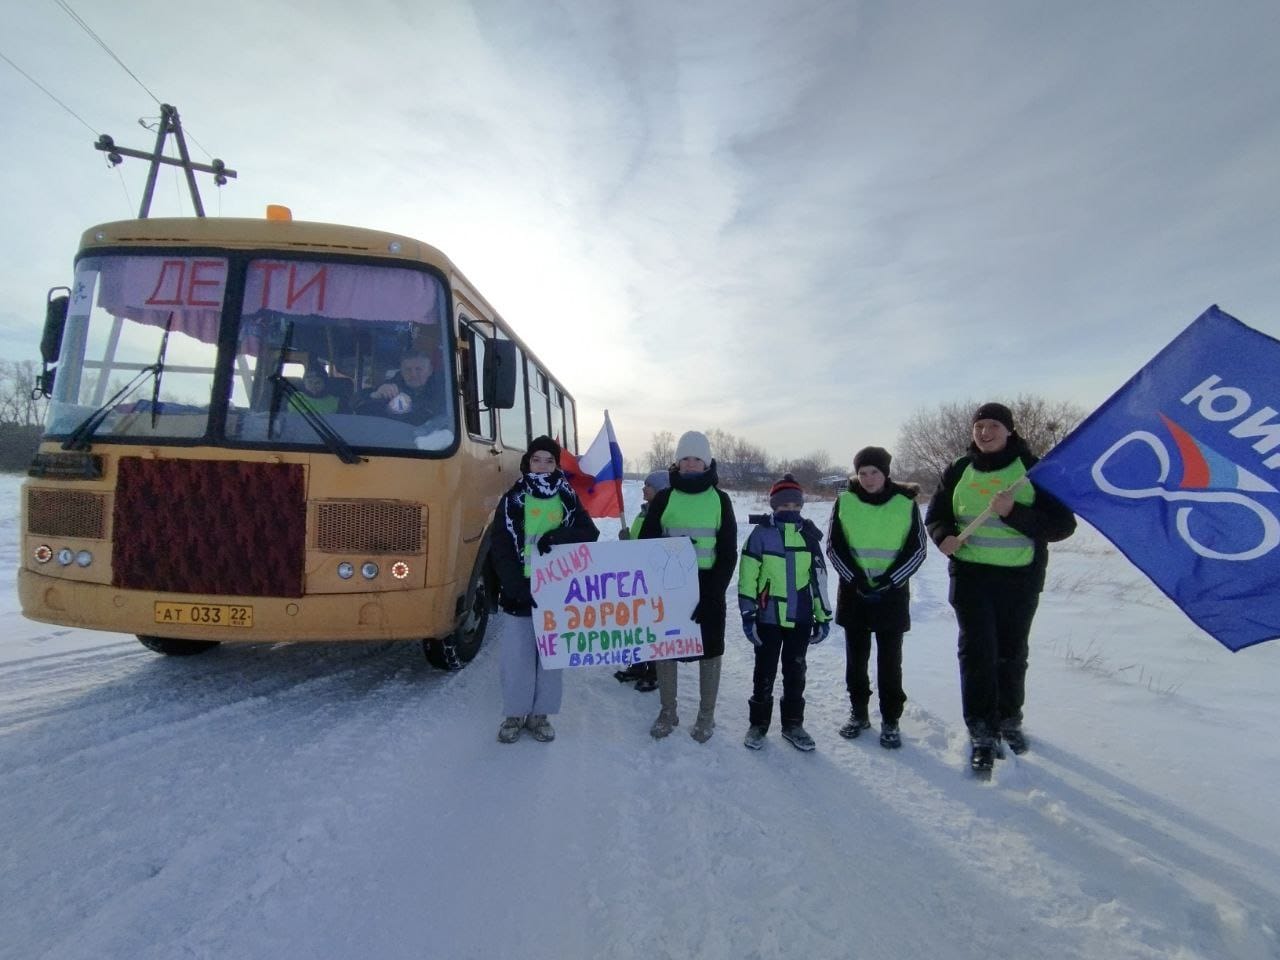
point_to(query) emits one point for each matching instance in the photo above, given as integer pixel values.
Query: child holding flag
(996, 574)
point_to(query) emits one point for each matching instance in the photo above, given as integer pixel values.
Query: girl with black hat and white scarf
(539, 511)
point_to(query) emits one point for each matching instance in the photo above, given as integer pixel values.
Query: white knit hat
(694, 444)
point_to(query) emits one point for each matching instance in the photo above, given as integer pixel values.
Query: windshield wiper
(80, 437)
(159, 365)
(315, 419)
(277, 378)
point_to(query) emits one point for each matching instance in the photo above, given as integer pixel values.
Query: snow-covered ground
(274, 801)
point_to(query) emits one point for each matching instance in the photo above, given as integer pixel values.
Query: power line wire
(46, 92)
(79, 20)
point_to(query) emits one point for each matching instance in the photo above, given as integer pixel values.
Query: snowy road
(348, 801)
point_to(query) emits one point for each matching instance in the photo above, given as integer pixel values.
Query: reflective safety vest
(994, 543)
(875, 532)
(773, 583)
(540, 516)
(695, 515)
(636, 524)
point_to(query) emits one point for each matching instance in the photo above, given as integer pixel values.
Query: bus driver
(413, 395)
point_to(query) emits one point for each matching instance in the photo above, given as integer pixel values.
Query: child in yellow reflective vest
(877, 541)
(783, 601)
(644, 674)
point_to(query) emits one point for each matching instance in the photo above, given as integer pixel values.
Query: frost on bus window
(140, 342)
(365, 346)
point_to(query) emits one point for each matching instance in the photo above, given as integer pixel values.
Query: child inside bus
(539, 511)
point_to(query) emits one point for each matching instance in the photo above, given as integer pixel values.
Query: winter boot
(667, 718)
(648, 679)
(509, 731)
(1011, 733)
(796, 735)
(890, 738)
(754, 739)
(708, 690)
(540, 727)
(982, 751)
(856, 723)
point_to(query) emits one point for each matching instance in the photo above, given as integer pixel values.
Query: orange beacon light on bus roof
(278, 212)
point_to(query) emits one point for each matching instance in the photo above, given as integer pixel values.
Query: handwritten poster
(616, 603)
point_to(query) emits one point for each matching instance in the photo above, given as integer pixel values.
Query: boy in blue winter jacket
(782, 596)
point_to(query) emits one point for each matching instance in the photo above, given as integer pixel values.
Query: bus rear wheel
(460, 647)
(173, 647)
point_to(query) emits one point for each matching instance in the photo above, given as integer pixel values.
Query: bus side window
(479, 419)
(539, 406)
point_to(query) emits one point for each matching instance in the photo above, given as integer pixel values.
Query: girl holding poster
(694, 507)
(538, 512)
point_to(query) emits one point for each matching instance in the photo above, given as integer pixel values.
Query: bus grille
(211, 527)
(371, 527)
(61, 513)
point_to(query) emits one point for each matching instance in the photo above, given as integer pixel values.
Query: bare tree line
(927, 443)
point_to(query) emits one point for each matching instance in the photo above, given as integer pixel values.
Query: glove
(549, 540)
(696, 616)
(871, 594)
(749, 629)
(820, 632)
(521, 601)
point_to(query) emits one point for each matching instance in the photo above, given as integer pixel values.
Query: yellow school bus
(241, 443)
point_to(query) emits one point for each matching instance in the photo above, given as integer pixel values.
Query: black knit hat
(540, 443)
(785, 490)
(877, 457)
(995, 411)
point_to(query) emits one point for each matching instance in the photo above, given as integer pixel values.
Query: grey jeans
(526, 687)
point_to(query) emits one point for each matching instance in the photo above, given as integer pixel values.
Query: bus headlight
(368, 569)
(84, 558)
(399, 569)
(346, 570)
(42, 553)
(65, 556)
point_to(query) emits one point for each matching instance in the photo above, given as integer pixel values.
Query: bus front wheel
(460, 647)
(176, 648)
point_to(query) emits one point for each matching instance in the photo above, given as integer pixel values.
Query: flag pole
(613, 442)
(981, 518)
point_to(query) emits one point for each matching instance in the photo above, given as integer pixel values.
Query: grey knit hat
(659, 480)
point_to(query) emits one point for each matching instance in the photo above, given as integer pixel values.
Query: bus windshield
(317, 347)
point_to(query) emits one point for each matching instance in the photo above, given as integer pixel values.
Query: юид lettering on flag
(1179, 470)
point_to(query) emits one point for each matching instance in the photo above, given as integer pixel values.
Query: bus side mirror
(55, 322)
(500, 360)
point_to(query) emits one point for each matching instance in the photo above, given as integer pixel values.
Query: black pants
(857, 654)
(995, 626)
(790, 644)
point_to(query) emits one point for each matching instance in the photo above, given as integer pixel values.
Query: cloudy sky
(797, 221)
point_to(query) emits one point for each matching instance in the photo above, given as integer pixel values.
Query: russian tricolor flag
(596, 476)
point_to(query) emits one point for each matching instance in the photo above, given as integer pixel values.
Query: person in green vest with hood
(539, 511)
(782, 597)
(997, 574)
(645, 675)
(876, 542)
(694, 507)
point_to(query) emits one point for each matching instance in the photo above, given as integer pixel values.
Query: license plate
(205, 614)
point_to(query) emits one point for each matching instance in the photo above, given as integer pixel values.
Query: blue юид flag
(1179, 469)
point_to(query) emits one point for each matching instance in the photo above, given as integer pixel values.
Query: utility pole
(169, 124)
